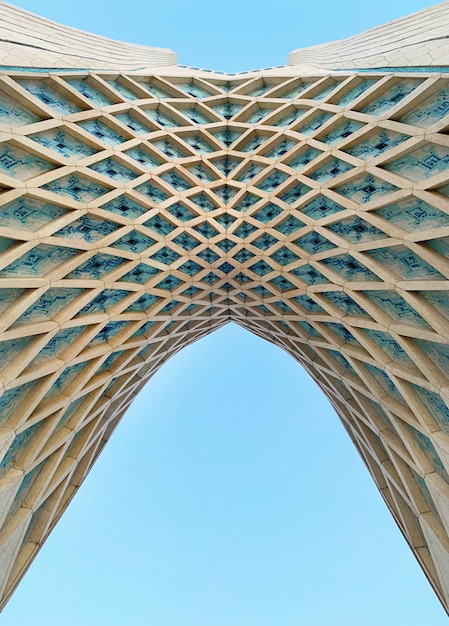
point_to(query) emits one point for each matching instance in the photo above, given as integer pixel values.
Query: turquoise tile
(345, 303)
(405, 263)
(330, 170)
(243, 255)
(267, 213)
(206, 230)
(349, 268)
(317, 120)
(385, 382)
(191, 268)
(18, 447)
(293, 194)
(314, 243)
(63, 143)
(169, 283)
(226, 137)
(108, 332)
(195, 90)
(102, 131)
(342, 333)
(57, 344)
(227, 109)
(390, 347)
(396, 307)
(152, 193)
(341, 132)
(67, 377)
(159, 225)
(166, 255)
(123, 90)
(282, 283)
(280, 148)
(225, 220)
(22, 165)
(291, 117)
(140, 275)
(289, 226)
(250, 172)
(375, 144)
(104, 301)
(429, 450)
(365, 188)
(261, 268)
(97, 267)
(391, 97)
(176, 181)
(439, 300)
(13, 114)
(308, 304)
(143, 303)
(321, 207)
(169, 149)
(257, 115)
(356, 230)
(284, 256)
(437, 352)
(308, 329)
(198, 143)
(61, 104)
(134, 123)
(414, 214)
(436, 407)
(181, 212)
(225, 244)
(76, 188)
(264, 242)
(255, 142)
(244, 230)
(135, 242)
(305, 156)
(50, 304)
(90, 92)
(87, 228)
(161, 117)
(433, 109)
(38, 261)
(186, 241)
(203, 174)
(309, 275)
(125, 207)
(354, 92)
(196, 115)
(29, 213)
(203, 202)
(226, 165)
(421, 164)
(271, 182)
(112, 168)
(247, 202)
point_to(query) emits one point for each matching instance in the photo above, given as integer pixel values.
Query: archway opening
(230, 493)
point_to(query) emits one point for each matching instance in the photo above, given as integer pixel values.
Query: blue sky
(230, 493)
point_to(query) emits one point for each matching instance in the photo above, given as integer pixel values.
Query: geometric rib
(140, 211)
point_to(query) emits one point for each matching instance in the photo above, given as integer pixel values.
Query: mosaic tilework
(151, 210)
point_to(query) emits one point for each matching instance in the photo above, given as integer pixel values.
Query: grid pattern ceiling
(138, 213)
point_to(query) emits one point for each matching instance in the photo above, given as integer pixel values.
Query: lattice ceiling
(139, 213)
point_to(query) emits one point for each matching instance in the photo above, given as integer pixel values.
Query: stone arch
(140, 210)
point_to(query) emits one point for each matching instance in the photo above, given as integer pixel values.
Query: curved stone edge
(417, 40)
(27, 40)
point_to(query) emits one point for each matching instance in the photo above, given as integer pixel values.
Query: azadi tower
(144, 204)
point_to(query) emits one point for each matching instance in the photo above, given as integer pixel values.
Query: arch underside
(139, 212)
